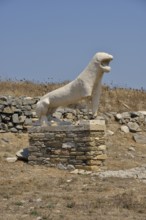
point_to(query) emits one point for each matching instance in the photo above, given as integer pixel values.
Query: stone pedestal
(69, 146)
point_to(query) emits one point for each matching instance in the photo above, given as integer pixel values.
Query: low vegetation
(112, 99)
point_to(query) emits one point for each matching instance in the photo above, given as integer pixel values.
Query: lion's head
(103, 59)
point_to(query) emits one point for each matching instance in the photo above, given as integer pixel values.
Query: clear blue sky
(53, 40)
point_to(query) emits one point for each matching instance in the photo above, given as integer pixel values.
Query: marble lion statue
(86, 86)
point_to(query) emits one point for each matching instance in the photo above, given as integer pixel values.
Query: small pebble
(11, 159)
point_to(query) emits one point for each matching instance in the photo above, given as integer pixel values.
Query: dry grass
(122, 99)
(37, 192)
(115, 99)
(32, 192)
(27, 88)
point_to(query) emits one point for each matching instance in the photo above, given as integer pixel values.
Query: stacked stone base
(69, 146)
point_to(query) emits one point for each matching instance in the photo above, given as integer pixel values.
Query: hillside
(42, 193)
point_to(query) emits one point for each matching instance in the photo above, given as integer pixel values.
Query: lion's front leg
(95, 99)
(44, 120)
(47, 120)
(88, 105)
(95, 105)
(42, 111)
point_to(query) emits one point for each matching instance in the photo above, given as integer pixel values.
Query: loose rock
(23, 154)
(125, 129)
(133, 126)
(139, 138)
(11, 159)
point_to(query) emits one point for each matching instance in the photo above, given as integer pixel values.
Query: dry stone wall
(69, 146)
(17, 114)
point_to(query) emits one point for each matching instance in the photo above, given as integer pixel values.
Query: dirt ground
(39, 193)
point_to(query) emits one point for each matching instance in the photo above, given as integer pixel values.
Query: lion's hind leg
(42, 111)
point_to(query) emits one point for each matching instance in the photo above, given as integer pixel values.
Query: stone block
(82, 157)
(19, 127)
(14, 130)
(94, 162)
(49, 135)
(9, 110)
(77, 153)
(102, 147)
(65, 152)
(94, 168)
(22, 118)
(28, 121)
(15, 119)
(68, 145)
(100, 157)
(78, 145)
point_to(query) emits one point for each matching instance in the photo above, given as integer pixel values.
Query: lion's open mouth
(105, 62)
